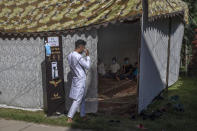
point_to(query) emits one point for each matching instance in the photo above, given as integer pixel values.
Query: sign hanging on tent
(53, 41)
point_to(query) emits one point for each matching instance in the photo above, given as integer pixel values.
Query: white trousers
(76, 103)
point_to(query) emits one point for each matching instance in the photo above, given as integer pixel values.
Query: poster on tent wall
(54, 75)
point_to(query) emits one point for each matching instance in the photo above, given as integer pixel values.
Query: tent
(24, 24)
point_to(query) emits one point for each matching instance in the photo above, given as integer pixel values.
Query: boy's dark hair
(114, 58)
(79, 42)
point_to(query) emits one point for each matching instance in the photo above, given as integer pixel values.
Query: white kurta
(78, 65)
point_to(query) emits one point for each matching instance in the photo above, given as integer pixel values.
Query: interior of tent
(118, 93)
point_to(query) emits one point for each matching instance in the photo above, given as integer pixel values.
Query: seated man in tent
(126, 69)
(114, 69)
(101, 68)
(134, 74)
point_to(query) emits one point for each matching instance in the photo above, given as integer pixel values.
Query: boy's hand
(87, 52)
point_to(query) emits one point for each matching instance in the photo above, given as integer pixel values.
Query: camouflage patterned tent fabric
(54, 15)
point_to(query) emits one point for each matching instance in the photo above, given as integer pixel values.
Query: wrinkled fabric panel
(153, 61)
(21, 73)
(91, 83)
(175, 49)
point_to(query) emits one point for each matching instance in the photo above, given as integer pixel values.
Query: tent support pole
(138, 66)
(143, 20)
(168, 58)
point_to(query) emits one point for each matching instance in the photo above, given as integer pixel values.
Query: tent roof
(28, 16)
(159, 8)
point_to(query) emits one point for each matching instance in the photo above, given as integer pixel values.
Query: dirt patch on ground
(117, 97)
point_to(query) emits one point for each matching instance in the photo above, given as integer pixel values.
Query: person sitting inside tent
(101, 68)
(126, 69)
(134, 74)
(114, 69)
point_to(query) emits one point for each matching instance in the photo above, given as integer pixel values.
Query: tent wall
(119, 40)
(153, 60)
(154, 55)
(21, 72)
(175, 49)
(68, 45)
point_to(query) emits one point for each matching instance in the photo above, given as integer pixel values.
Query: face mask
(113, 61)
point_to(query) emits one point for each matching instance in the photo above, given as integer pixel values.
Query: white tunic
(114, 68)
(78, 65)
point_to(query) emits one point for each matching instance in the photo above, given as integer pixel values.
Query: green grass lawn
(171, 120)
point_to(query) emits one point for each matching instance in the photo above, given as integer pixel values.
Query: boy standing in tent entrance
(78, 65)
